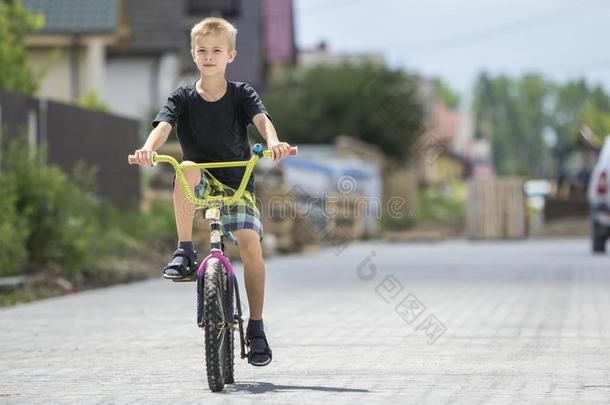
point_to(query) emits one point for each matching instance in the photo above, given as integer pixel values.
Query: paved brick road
(451, 323)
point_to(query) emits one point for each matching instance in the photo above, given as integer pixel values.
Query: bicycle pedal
(186, 279)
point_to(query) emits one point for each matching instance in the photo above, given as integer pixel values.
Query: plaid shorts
(244, 214)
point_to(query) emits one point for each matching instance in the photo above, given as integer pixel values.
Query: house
(441, 156)
(438, 159)
(321, 54)
(69, 53)
(132, 53)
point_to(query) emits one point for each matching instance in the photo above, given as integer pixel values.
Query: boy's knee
(193, 176)
(250, 250)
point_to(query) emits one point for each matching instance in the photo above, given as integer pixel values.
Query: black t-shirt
(214, 131)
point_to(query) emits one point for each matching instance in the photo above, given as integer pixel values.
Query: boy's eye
(217, 50)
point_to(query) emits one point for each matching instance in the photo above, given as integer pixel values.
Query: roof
(76, 16)
(156, 27)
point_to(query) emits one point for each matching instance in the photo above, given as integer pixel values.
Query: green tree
(532, 92)
(370, 102)
(597, 118)
(577, 104)
(15, 23)
(511, 115)
(568, 102)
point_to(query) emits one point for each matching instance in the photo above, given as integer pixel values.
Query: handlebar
(257, 152)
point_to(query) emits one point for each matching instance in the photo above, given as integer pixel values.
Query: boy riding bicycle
(211, 116)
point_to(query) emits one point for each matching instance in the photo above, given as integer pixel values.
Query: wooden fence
(496, 209)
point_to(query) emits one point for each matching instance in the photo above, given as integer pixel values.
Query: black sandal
(260, 353)
(183, 264)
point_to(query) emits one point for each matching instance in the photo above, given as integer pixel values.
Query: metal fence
(72, 135)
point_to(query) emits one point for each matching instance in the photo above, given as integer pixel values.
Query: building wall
(279, 31)
(317, 57)
(93, 67)
(128, 85)
(68, 73)
(137, 85)
(169, 68)
(52, 68)
(249, 65)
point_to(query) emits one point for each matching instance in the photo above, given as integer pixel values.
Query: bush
(59, 215)
(13, 230)
(443, 208)
(46, 219)
(127, 232)
(436, 208)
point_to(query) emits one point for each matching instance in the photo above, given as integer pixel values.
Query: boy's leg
(185, 256)
(251, 254)
(254, 274)
(184, 210)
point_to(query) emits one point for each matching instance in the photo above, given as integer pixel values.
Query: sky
(457, 39)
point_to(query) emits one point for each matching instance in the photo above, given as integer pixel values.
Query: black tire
(200, 295)
(599, 244)
(599, 236)
(230, 354)
(215, 324)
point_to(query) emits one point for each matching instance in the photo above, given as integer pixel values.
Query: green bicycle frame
(214, 201)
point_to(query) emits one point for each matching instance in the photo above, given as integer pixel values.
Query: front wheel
(599, 244)
(217, 325)
(599, 235)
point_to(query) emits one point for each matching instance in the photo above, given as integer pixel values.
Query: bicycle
(218, 302)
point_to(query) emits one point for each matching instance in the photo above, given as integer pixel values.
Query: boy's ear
(232, 55)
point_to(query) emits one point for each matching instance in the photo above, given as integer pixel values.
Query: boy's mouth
(208, 65)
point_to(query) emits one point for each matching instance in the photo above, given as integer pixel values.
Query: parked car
(599, 199)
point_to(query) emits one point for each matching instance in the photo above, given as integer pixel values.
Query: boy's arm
(267, 131)
(156, 139)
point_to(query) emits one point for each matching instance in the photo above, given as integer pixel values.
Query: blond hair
(214, 25)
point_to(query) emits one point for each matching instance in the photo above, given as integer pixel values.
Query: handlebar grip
(294, 150)
(133, 160)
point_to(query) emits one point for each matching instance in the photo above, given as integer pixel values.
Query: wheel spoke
(221, 352)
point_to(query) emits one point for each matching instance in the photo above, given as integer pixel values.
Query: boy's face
(211, 54)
